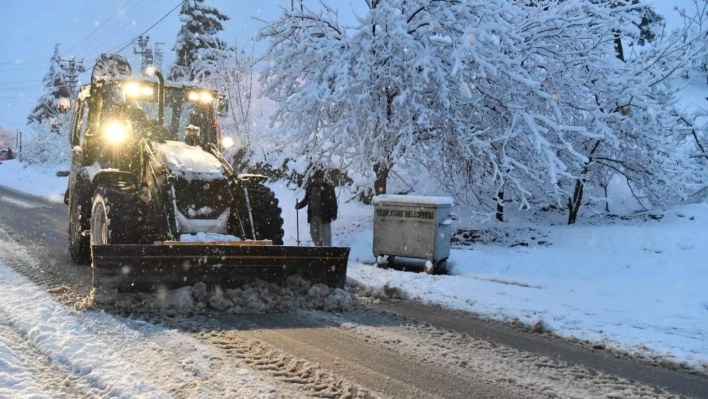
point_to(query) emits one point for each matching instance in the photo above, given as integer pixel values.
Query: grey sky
(85, 28)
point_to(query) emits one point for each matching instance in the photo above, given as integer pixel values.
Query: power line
(104, 24)
(153, 25)
(98, 27)
(23, 69)
(23, 62)
(99, 39)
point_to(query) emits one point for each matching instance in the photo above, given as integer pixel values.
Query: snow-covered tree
(650, 25)
(56, 101)
(7, 139)
(365, 95)
(562, 110)
(230, 72)
(197, 39)
(503, 101)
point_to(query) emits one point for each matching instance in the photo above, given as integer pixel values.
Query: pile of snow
(208, 237)
(189, 162)
(254, 298)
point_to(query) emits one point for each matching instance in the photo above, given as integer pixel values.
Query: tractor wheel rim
(101, 229)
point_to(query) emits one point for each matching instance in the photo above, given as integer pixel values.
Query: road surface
(384, 349)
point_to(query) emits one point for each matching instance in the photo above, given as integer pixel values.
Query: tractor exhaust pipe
(160, 94)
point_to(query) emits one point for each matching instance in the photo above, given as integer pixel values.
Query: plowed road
(387, 349)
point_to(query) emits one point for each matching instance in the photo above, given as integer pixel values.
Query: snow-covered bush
(42, 145)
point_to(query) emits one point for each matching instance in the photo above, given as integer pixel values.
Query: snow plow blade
(172, 265)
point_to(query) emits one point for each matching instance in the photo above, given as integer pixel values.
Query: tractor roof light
(135, 89)
(203, 96)
(206, 97)
(131, 89)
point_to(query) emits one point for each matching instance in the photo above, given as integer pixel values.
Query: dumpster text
(399, 213)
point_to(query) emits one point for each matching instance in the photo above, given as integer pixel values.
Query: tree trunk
(500, 205)
(577, 199)
(381, 172)
(575, 202)
(619, 50)
(607, 203)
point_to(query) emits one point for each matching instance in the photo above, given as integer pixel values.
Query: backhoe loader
(154, 203)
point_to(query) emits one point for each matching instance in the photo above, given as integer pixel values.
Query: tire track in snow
(302, 349)
(32, 373)
(57, 334)
(542, 376)
(253, 348)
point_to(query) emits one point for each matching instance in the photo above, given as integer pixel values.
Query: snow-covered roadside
(108, 356)
(637, 287)
(38, 180)
(633, 285)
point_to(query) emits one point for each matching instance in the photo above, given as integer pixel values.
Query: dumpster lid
(411, 200)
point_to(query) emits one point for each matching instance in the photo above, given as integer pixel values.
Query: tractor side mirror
(222, 107)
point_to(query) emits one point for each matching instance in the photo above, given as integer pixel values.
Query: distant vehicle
(4, 156)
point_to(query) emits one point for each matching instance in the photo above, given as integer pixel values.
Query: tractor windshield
(182, 108)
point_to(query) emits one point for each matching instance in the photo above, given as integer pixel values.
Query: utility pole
(146, 54)
(158, 56)
(18, 143)
(72, 68)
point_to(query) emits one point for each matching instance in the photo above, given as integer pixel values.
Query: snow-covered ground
(103, 356)
(636, 285)
(38, 180)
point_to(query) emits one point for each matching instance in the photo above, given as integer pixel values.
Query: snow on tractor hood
(189, 162)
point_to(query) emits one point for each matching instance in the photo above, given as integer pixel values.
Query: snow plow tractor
(153, 203)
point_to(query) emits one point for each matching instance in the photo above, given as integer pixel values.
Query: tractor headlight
(116, 132)
(227, 142)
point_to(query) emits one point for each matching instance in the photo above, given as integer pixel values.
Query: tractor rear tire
(115, 219)
(267, 216)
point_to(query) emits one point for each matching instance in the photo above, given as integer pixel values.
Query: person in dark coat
(321, 203)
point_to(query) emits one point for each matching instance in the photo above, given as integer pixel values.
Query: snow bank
(59, 336)
(37, 179)
(386, 199)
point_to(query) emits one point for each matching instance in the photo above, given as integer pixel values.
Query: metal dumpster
(413, 227)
